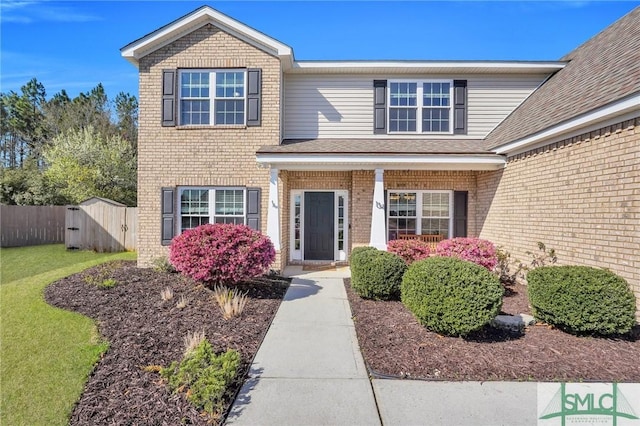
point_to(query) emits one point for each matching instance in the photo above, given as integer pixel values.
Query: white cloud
(28, 12)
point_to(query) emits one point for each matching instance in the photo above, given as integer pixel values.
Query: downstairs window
(419, 212)
(199, 206)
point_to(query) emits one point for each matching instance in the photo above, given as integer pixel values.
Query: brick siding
(580, 196)
(205, 156)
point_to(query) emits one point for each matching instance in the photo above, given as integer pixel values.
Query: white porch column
(273, 212)
(378, 227)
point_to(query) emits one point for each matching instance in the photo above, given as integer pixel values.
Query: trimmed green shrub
(581, 299)
(204, 376)
(359, 250)
(451, 296)
(376, 274)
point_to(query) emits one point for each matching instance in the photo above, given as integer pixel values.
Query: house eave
(426, 67)
(341, 162)
(163, 36)
(621, 110)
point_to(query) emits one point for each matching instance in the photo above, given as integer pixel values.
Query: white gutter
(530, 66)
(621, 110)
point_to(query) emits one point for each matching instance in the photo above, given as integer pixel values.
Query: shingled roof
(603, 70)
(376, 146)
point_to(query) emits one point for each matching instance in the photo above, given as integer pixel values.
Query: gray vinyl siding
(335, 106)
(493, 98)
(328, 106)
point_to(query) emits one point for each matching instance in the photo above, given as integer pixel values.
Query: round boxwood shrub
(221, 253)
(359, 250)
(581, 299)
(451, 296)
(376, 274)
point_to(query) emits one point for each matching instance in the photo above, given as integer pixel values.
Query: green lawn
(46, 353)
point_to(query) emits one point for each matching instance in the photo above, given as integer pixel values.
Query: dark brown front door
(319, 225)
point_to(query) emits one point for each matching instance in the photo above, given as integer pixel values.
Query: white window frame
(338, 255)
(419, 195)
(212, 95)
(419, 106)
(212, 203)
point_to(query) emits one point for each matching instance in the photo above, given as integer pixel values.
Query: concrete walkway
(309, 369)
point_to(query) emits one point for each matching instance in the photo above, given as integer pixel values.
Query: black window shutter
(254, 94)
(168, 98)
(168, 215)
(460, 207)
(379, 106)
(253, 208)
(460, 107)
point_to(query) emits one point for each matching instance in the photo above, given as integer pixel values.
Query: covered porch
(323, 204)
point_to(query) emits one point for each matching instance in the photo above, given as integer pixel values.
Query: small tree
(85, 163)
(221, 253)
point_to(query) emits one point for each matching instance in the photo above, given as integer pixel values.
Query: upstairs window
(222, 104)
(420, 106)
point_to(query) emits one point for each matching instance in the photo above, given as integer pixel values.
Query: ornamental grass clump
(192, 341)
(476, 250)
(582, 299)
(451, 296)
(409, 250)
(230, 301)
(221, 253)
(166, 294)
(376, 274)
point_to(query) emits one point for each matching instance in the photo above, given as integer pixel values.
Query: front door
(319, 225)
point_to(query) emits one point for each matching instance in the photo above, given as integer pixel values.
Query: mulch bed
(144, 330)
(394, 344)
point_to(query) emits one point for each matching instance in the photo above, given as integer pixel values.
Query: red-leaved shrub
(409, 250)
(481, 252)
(221, 253)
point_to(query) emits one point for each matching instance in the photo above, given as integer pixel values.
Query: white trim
(295, 254)
(303, 162)
(197, 19)
(378, 234)
(429, 66)
(298, 255)
(273, 211)
(626, 107)
(341, 255)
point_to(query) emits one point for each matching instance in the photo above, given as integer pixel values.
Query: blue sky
(75, 45)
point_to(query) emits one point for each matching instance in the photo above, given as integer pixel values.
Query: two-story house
(324, 156)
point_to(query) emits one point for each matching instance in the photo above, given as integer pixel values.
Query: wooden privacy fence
(101, 225)
(31, 225)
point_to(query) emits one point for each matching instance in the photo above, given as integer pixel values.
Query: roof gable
(602, 71)
(197, 19)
